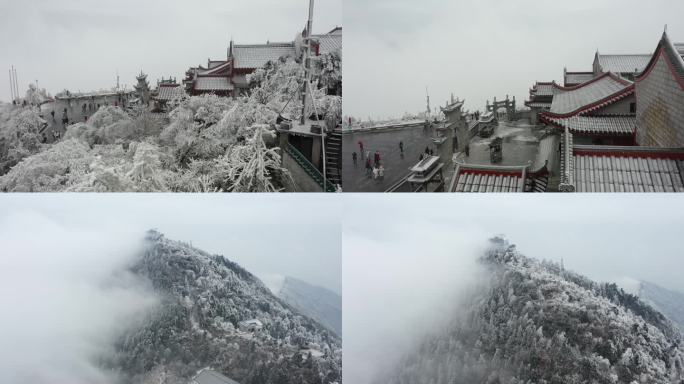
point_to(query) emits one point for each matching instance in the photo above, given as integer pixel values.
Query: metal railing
(309, 168)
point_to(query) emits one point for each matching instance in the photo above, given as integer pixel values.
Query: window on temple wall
(632, 107)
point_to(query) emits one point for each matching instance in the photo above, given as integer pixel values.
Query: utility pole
(16, 82)
(308, 92)
(11, 86)
(427, 116)
(307, 59)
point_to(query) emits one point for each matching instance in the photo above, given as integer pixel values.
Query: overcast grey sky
(293, 235)
(406, 257)
(480, 49)
(80, 44)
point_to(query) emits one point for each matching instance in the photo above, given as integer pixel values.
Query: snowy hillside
(537, 323)
(320, 304)
(216, 314)
(203, 144)
(670, 303)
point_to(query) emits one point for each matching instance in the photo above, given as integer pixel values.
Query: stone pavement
(396, 165)
(520, 145)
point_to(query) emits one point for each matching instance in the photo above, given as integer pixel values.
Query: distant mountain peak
(207, 300)
(536, 322)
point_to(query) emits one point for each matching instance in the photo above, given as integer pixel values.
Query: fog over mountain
(87, 298)
(419, 265)
(536, 322)
(66, 295)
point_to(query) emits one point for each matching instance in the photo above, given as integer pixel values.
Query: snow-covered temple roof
(622, 63)
(170, 91)
(614, 125)
(598, 168)
(674, 53)
(544, 89)
(606, 88)
(251, 56)
(577, 78)
(488, 178)
(329, 42)
(213, 84)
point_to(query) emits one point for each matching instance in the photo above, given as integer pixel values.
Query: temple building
(626, 66)
(622, 127)
(167, 90)
(229, 77)
(660, 91)
(600, 111)
(601, 168)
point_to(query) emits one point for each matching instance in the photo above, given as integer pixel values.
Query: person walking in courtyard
(368, 166)
(376, 158)
(53, 114)
(401, 147)
(361, 146)
(354, 158)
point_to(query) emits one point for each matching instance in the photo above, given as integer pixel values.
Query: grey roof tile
(575, 78)
(623, 63)
(257, 55)
(329, 42)
(599, 89)
(213, 84)
(167, 92)
(625, 169)
(621, 125)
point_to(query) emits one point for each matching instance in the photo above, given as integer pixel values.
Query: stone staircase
(333, 156)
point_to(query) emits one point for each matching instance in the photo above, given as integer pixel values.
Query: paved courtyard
(520, 145)
(386, 141)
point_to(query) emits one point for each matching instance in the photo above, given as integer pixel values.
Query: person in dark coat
(369, 168)
(401, 146)
(354, 158)
(376, 157)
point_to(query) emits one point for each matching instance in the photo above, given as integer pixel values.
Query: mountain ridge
(537, 323)
(205, 299)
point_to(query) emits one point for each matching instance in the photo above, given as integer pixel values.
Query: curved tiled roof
(213, 84)
(592, 93)
(170, 92)
(490, 178)
(537, 104)
(620, 125)
(257, 55)
(673, 54)
(544, 89)
(627, 169)
(623, 63)
(576, 78)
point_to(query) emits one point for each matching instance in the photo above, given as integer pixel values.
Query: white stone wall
(660, 108)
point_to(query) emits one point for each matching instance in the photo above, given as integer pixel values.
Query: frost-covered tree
(206, 143)
(19, 134)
